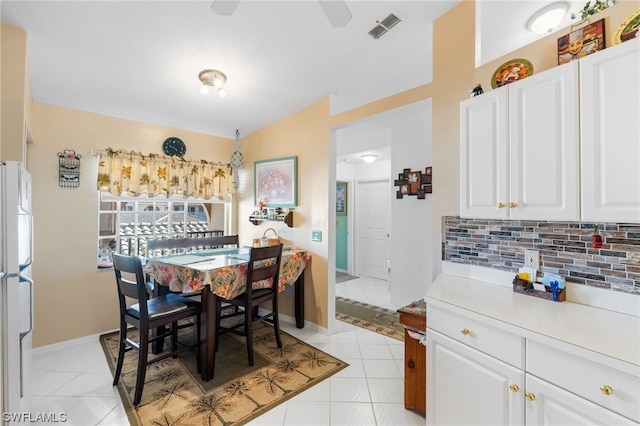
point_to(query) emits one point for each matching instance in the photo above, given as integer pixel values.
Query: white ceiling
(501, 24)
(140, 59)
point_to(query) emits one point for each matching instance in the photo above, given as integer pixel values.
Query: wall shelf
(257, 217)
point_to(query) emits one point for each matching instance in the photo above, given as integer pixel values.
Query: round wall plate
(174, 147)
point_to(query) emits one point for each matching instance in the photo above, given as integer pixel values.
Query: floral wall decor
(414, 183)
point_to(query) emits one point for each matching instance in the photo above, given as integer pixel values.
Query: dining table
(222, 273)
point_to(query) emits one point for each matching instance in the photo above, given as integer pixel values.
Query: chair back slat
(130, 279)
(174, 245)
(264, 263)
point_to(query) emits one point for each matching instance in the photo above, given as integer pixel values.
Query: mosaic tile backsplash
(565, 249)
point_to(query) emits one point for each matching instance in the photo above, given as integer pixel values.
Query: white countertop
(608, 332)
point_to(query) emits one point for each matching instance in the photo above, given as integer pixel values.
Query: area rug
(343, 276)
(174, 394)
(374, 318)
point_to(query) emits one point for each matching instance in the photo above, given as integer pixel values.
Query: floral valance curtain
(152, 175)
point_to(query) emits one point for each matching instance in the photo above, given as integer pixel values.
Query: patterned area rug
(174, 394)
(374, 318)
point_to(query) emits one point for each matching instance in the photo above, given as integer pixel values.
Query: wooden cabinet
(519, 149)
(610, 134)
(415, 365)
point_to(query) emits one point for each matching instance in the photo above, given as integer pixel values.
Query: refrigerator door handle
(24, 334)
(30, 259)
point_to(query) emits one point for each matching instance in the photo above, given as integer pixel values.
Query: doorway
(372, 228)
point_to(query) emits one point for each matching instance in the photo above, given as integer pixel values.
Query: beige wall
(305, 135)
(73, 299)
(14, 90)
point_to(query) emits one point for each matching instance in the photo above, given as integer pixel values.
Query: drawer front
(585, 377)
(473, 331)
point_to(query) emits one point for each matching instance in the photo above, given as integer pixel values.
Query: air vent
(377, 31)
(384, 26)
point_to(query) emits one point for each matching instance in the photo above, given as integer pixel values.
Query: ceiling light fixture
(548, 18)
(369, 158)
(215, 79)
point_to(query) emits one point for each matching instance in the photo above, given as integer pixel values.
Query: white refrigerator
(16, 291)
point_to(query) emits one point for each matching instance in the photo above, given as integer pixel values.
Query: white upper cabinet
(610, 134)
(519, 149)
(484, 169)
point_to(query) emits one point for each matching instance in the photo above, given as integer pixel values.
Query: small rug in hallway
(174, 394)
(374, 318)
(343, 276)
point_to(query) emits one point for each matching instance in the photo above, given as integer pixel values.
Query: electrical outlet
(316, 236)
(532, 259)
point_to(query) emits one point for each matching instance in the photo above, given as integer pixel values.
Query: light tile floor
(75, 380)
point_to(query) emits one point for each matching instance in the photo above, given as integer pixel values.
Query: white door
(372, 227)
(468, 387)
(543, 145)
(483, 156)
(609, 130)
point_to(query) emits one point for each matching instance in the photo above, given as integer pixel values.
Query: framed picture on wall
(581, 42)
(341, 198)
(276, 182)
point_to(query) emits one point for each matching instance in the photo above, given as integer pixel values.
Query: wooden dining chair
(160, 247)
(147, 315)
(264, 264)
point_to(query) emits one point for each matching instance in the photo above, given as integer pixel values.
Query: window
(125, 223)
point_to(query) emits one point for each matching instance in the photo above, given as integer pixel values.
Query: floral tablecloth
(226, 281)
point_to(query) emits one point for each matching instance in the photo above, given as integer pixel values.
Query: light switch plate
(316, 235)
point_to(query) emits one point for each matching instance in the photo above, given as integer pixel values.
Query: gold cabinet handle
(501, 205)
(606, 389)
(512, 205)
(514, 388)
(530, 396)
(464, 331)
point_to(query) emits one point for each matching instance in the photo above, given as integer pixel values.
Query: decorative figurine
(476, 91)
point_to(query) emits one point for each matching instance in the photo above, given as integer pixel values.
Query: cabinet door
(543, 145)
(483, 155)
(550, 405)
(468, 387)
(610, 134)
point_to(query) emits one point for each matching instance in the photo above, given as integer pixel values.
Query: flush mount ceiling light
(369, 158)
(548, 18)
(215, 79)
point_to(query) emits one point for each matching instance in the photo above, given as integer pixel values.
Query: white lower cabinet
(550, 405)
(472, 379)
(472, 388)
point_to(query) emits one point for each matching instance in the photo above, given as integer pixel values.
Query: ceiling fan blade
(224, 7)
(337, 12)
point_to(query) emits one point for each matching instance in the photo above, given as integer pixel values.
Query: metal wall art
(414, 183)
(69, 169)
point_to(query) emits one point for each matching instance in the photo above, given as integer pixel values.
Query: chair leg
(218, 320)
(276, 322)
(174, 338)
(198, 342)
(121, 347)
(142, 365)
(248, 325)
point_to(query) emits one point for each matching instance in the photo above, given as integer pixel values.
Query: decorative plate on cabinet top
(628, 29)
(513, 70)
(174, 147)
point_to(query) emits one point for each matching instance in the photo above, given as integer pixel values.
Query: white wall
(411, 218)
(408, 133)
